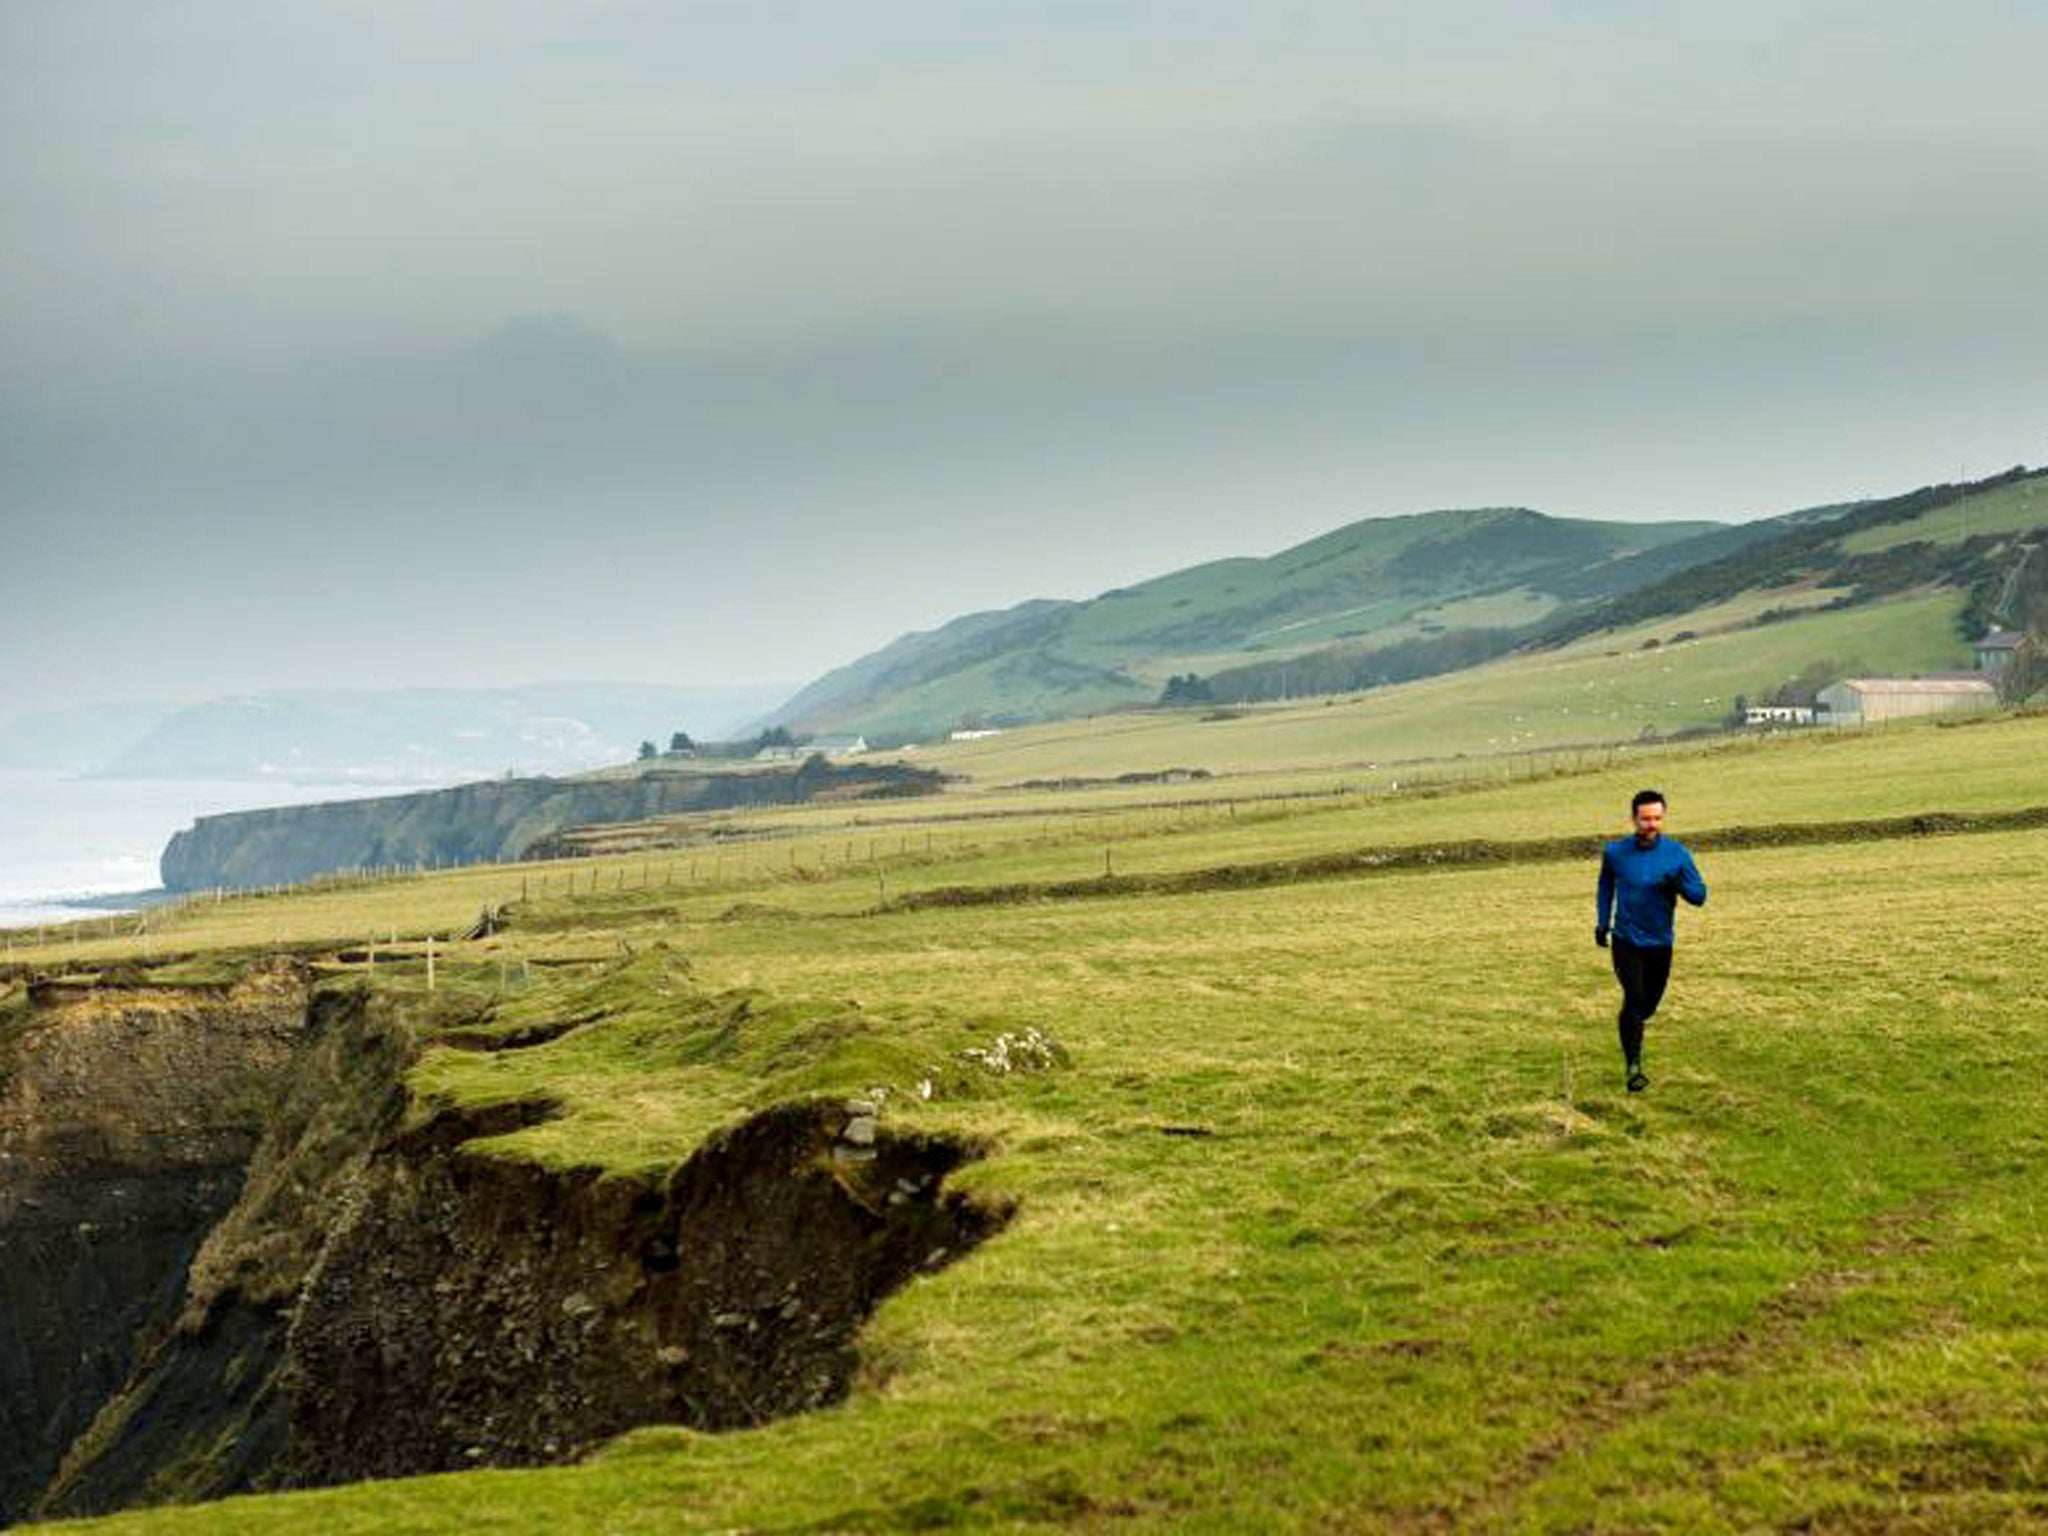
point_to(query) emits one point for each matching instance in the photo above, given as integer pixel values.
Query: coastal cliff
(128, 1115)
(476, 823)
(246, 1257)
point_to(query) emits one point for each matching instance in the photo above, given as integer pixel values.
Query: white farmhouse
(837, 746)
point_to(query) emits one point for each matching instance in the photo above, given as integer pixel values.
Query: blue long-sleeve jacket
(1641, 886)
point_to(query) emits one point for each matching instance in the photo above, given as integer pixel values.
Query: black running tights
(1642, 971)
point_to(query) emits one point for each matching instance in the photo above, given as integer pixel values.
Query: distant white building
(1874, 700)
(1777, 714)
(975, 735)
(836, 746)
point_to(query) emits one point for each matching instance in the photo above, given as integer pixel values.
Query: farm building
(837, 746)
(1873, 700)
(1777, 714)
(1996, 649)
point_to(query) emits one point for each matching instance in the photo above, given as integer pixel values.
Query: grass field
(1607, 688)
(1362, 628)
(842, 859)
(2008, 509)
(1336, 1216)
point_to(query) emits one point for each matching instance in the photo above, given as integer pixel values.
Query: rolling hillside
(1395, 599)
(1382, 580)
(1923, 538)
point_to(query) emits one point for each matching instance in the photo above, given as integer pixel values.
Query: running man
(1641, 879)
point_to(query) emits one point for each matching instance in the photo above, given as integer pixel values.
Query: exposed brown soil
(235, 1263)
(471, 1310)
(127, 1117)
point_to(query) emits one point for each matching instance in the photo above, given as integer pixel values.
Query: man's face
(1649, 819)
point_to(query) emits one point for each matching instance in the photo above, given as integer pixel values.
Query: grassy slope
(1602, 689)
(1430, 1264)
(1335, 582)
(1357, 586)
(2007, 509)
(1873, 548)
(1017, 681)
(1381, 624)
(1735, 568)
(1367, 577)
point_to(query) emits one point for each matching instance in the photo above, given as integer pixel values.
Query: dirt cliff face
(469, 1311)
(245, 1267)
(127, 1117)
(202, 1413)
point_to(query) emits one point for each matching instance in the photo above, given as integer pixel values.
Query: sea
(71, 847)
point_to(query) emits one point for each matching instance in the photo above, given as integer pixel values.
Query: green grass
(817, 859)
(1369, 578)
(1429, 1266)
(1603, 689)
(1431, 1263)
(1315, 590)
(658, 1063)
(1751, 781)
(2014, 508)
(1367, 626)
(1508, 609)
(1369, 585)
(1747, 781)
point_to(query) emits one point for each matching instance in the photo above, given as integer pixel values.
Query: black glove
(1600, 937)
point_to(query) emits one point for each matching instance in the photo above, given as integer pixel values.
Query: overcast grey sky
(723, 341)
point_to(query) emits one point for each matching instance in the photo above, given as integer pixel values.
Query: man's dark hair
(1645, 797)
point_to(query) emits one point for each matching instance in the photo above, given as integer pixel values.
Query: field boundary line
(1459, 854)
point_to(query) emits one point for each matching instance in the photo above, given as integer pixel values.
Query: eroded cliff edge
(240, 1258)
(128, 1115)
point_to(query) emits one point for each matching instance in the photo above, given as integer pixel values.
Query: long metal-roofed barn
(1873, 700)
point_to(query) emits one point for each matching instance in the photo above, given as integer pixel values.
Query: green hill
(1382, 579)
(1393, 599)
(1970, 539)
(1921, 539)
